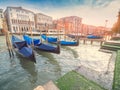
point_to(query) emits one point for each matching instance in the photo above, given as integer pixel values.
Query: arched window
(12, 21)
(14, 29)
(27, 29)
(22, 29)
(19, 29)
(16, 21)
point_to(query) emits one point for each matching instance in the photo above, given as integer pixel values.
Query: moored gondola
(23, 49)
(49, 39)
(38, 45)
(62, 42)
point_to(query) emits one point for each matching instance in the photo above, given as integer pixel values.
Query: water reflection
(12, 62)
(51, 60)
(19, 73)
(72, 50)
(30, 68)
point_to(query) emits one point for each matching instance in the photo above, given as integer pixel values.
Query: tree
(116, 26)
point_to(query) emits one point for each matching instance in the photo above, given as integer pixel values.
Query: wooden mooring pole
(8, 41)
(92, 40)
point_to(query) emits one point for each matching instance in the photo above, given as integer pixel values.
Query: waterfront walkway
(85, 40)
(116, 81)
(75, 81)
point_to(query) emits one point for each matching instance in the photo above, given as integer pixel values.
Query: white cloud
(91, 15)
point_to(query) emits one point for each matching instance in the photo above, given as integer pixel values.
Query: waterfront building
(58, 24)
(96, 30)
(43, 22)
(88, 29)
(1, 20)
(54, 32)
(71, 24)
(20, 20)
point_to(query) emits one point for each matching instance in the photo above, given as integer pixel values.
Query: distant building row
(21, 20)
(73, 24)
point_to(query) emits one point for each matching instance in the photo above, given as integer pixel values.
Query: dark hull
(23, 49)
(56, 50)
(30, 58)
(49, 39)
(37, 44)
(77, 43)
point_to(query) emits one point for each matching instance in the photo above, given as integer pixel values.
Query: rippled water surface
(20, 74)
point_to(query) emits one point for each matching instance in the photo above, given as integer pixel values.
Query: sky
(92, 12)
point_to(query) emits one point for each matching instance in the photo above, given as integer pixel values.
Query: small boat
(62, 42)
(94, 37)
(69, 43)
(49, 39)
(23, 49)
(41, 46)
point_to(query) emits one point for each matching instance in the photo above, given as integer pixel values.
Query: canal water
(20, 74)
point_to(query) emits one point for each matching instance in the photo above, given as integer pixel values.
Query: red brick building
(71, 24)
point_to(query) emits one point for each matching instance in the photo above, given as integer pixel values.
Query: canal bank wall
(89, 78)
(100, 74)
(116, 80)
(75, 81)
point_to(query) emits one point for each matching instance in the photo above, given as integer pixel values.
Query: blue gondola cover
(39, 45)
(49, 39)
(23, 48)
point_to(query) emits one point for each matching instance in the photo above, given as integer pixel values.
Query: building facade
(88, 29)
(43, 21)
(71, 24)
(1, 20)
(19, 20)
(95, 30)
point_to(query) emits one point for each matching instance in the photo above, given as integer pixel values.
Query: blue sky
(93, 12)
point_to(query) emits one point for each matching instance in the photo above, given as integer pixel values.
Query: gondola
(94, 37)
(69, 43)
(38, 45)
(62, 42)
(49, 39)
(23, 49)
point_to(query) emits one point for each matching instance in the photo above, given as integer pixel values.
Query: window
(17, 15)
(26, 12)
(27, 28)
(1, 16)
(13, 28)
(19, 29)
(22, 29)
(17, 10)
(11, 14)
(10, 9)
(16, 28)
(12, 21)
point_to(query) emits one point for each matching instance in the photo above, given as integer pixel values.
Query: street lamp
(106, 23)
